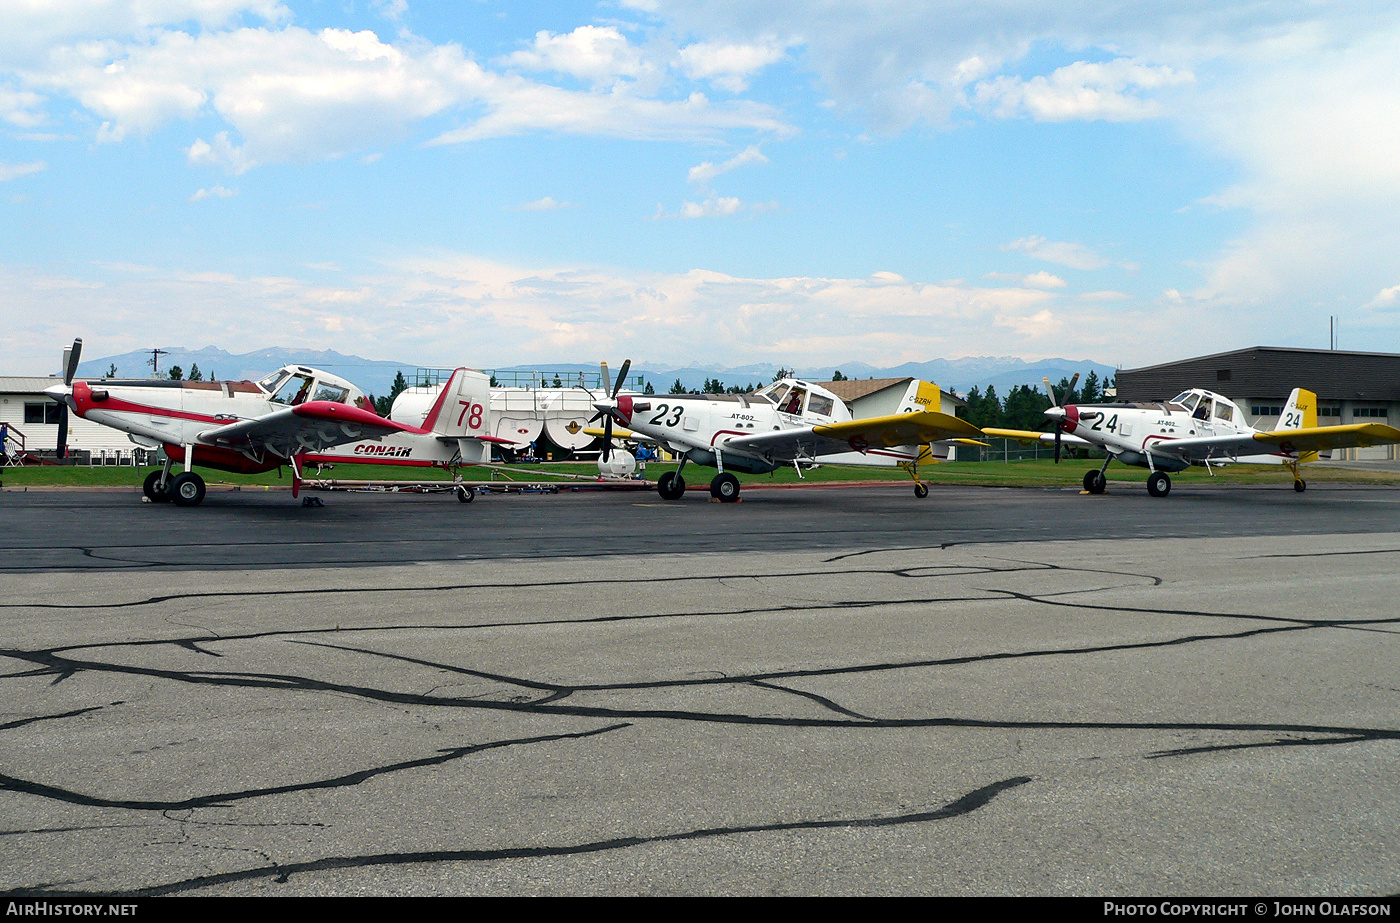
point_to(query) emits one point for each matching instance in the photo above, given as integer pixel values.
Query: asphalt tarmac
(824, 691)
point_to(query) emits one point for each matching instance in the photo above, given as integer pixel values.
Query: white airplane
(1196, 427)
(790, 422)
(296, 416)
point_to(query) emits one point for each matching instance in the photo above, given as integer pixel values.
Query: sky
(708, 182)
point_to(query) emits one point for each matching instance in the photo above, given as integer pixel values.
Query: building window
(1369, 412)
(1262, 411)
(1329, 411)
(41, 412)
(1222, 375)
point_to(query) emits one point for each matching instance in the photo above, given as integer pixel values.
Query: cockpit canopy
(1207, 405)
(296, 384)
(797, 398)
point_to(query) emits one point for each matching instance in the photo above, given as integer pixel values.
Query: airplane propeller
(69, 372)
(1059, 414)
(605, 408)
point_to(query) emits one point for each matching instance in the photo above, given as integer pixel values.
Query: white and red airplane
(1196, 427)
(296, 416)
(790, 422)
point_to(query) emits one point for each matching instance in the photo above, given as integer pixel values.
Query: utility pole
(155, 362)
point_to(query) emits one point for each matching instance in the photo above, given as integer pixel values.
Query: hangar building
(1351, 387)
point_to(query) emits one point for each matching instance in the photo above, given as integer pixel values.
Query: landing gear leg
(920, 488)
(671, 486)
(1299, 484)
(1095, 481)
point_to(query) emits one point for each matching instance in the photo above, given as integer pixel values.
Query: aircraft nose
(59, 392)
(1071, 418)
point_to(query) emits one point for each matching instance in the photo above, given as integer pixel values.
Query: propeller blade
(62, 445)
(607, 379)
(607, 437)
(621, 377)
(1051, 392)
(73, 356)
(1072, 382)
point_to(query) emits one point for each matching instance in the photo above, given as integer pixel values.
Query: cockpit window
(271, 382)
(1223, 411)
(820, 405)
(793, 402)
(329, 392)
(1187, 399)
(294, 391)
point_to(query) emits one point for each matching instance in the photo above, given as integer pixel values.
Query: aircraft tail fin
(463, 408)
(1300, 413)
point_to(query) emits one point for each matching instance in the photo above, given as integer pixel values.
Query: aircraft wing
(618, 432)
(311, 427)
(1028, 436)
(1285, 441)
(917, 428)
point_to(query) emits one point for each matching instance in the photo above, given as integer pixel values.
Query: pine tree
(678, 388)
(176, 373)
(195, 374)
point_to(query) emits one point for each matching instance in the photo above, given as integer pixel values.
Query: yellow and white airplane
(1196, 427)
(790, 422)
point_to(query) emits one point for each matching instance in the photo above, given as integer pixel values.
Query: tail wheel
(670, 486)
(187, 489)
(1300, 485)
(921, 490)
(466, 494)
(725, 488)
(151, 488)
(1094, 481)
(1158, 484)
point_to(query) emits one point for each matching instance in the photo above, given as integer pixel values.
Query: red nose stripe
(1071, 418)
(624, 408)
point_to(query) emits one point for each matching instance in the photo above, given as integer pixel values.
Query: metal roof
(23, 384)
(1271, 371)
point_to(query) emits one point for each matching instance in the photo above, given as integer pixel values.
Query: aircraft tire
(725, 488)
(1300, 485)
(670, 486)
(1158, 484)
(921, 490)
(187, 489)
(1094, 481)
(151, 488)
(466, 494)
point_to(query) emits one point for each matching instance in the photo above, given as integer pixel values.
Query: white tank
(620, 464)
(412, 405)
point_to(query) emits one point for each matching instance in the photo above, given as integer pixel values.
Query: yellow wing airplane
(790, 422)
(1197, 427)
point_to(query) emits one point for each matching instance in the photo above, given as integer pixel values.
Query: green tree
(195, 374)
(111, 371)
(837, 376)
(1089, 393)
(494, 382)
(176, 373)
(713, 386)
(782, 373)
(1025, 407)
(649, 389)
(677, 388)
(558, 383)
(384, 405)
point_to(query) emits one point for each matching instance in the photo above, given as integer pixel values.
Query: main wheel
(921, 490)
(725, 487)
(671, 486)
(466, 494)
(151, 488)
(187, 489)
(1094, 481)
(1158, 484)
(1300, 485)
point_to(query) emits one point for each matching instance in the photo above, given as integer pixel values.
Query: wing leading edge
(905, 429)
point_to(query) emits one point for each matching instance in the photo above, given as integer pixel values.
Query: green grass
(1028, 473)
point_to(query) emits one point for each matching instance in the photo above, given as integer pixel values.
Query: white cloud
(728, 67)
(546, 204)
(1111, 91)
(1062, 253)
(599, 54)
(1043, 279)
(713, 206)
(213, 191)
(1385, 298)
(703, 173)
(292, 94)
(9, 171)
